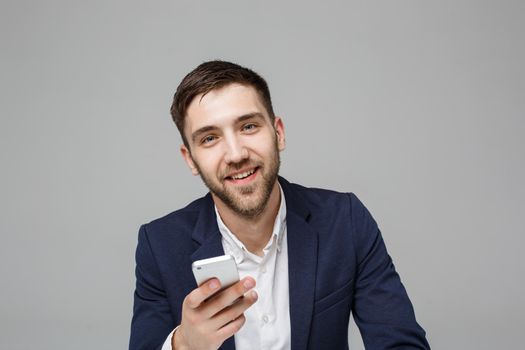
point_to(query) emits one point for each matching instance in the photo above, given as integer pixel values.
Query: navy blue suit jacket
(337, 264)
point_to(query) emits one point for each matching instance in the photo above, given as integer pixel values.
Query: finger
(235, 310)
(231, 328)
(226, 297)
(198, 295)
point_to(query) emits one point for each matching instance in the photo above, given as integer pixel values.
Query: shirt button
(265, 319)
(263, 269)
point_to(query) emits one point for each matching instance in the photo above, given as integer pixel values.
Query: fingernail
(254, 295)
(214, 284)
(248, 283)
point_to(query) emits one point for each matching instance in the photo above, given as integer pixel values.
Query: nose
(236, 152)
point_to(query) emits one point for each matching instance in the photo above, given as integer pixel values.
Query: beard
(247, 201)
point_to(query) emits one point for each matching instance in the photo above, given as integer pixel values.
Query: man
(306, 257)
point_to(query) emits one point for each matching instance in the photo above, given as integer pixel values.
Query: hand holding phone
(212, 313)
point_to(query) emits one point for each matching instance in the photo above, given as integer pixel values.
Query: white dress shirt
(267, 323)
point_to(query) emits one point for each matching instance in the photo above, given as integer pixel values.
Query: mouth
(243, 177)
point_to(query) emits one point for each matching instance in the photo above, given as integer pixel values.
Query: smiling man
(307, 258)
(235, 146)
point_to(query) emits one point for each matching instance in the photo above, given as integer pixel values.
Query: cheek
(208, 161)
(266, 144)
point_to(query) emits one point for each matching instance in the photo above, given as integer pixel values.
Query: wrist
(177, 340)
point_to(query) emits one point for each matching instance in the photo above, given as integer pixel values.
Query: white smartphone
(221, 267)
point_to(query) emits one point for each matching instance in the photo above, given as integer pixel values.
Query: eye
(249, 127)
(208, 139)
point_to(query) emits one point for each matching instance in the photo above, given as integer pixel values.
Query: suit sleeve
(152, 320)
(381, 307)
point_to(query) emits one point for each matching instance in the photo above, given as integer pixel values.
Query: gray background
(417, 107)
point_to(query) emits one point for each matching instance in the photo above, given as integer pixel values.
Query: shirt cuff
(167, 343)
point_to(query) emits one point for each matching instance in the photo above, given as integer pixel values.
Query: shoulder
(331, 212)
(179, 223)
(315, 193)
(320, 199)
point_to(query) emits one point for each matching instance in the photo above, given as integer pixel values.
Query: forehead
(223, 105)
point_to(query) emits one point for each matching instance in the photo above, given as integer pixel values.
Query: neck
(254, 232)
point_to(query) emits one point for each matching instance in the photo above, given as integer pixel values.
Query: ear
(188, 159)
(279, 130)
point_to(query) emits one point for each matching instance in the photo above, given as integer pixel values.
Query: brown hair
(214, 75)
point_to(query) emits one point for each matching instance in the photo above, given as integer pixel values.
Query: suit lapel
(302, 266)
(208, 243)
(210, 248)
(206, 235)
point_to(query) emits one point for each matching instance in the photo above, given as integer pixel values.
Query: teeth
(243, 175)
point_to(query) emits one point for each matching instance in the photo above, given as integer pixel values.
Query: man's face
(234, 147)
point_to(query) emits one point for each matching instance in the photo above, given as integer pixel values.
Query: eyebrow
(240, 119)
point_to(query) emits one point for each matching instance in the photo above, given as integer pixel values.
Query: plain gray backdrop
(417, 107)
